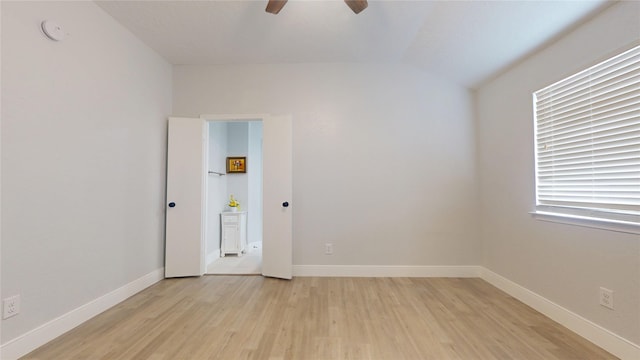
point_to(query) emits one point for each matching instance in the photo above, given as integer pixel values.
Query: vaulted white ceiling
(466, 41)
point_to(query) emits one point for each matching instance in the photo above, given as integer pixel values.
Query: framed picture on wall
(236, 165)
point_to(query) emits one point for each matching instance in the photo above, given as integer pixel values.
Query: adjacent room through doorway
(234, 198)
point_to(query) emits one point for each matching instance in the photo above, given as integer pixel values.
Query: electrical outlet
(10, 306)
(328, 249)
(606, 298)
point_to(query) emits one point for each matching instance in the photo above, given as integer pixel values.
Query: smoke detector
(52, 30)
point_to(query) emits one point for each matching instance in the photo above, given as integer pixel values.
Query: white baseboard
(616, 345)
(41, 335)
(385, 271)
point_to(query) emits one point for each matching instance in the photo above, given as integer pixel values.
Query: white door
(186, 193)
(277, 250)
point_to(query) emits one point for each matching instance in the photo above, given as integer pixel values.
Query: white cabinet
(234, 233)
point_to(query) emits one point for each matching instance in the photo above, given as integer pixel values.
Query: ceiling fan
(274, 6)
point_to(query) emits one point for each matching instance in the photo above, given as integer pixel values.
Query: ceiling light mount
(274, 6)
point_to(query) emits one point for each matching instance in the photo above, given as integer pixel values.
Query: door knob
(172, 204)
(285, 204)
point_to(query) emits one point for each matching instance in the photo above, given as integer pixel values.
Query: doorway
(187, 175)
(234, 238)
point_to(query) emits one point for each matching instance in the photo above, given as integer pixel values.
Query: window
(587, 143)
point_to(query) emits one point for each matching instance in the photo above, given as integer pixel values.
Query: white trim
(615, 344)
(386, 271)
(234, 117)
(585, 221)
(41, 335)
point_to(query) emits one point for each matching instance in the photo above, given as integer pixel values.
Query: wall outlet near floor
(606, 298)
(10, 306)
(328, 249)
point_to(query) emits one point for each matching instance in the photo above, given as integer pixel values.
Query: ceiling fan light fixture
(274, 6)
(357, 5)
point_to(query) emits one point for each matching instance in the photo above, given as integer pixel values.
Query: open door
(186, 193)
(277, 249)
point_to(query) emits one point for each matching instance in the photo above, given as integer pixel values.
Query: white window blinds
(588, 142)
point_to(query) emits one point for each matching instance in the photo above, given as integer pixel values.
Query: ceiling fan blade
(274, 6)
(357, 5)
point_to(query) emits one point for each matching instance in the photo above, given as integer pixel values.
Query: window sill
(597, 223)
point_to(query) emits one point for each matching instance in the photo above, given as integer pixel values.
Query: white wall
(83, 159)
(383, 162)
(238, 145)
(216, 185)
(566, 264)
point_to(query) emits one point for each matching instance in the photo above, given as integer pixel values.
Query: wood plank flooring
(251, 317)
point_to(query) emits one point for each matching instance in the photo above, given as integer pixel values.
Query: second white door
(277, 248)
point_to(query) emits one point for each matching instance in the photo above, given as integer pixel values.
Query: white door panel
(186, 176)
(277, 250)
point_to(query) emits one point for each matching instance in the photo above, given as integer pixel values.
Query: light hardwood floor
(248, 264)
(251, 317)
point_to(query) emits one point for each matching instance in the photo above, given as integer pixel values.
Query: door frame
(207, 118)
(183, 245)
(276, 271)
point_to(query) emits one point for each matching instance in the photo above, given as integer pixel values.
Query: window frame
(608, 219)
